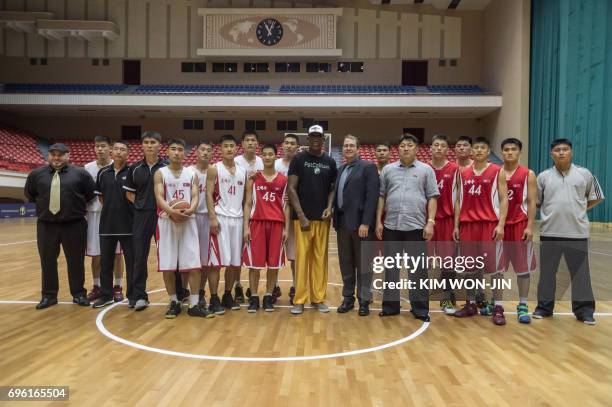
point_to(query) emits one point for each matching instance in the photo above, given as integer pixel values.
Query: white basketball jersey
(280, 166)
(229, 191)
(249, 167)
(93, 168)
(177, 187)
(202, 178)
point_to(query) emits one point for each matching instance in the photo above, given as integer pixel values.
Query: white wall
(506, 69)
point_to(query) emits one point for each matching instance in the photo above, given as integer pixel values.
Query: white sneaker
(297, 309)
(141, 304)
(321, 307)
(447, 307)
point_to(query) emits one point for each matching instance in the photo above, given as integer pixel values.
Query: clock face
(269, 31)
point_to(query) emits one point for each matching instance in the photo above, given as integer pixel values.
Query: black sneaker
(102, 302)
(291, 295)
(215, 305)
(276, 293)
(238, 294)
(174, 308)
(202, 299)
(82, 301)
(227, 301)
(268, 303)
(253, 303)
(198, 311)
(235, 305)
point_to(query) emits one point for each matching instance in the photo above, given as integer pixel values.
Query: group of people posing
(256, 211)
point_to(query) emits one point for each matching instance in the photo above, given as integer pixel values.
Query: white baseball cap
(316, 129)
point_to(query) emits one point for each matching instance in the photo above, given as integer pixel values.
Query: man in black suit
(355, 203)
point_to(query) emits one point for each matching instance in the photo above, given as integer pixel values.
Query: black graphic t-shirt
(316, 177)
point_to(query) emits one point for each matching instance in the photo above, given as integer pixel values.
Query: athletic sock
(173, 297)
(193, 299)
(96, 282)
(238, 284)
(498, 302)
(268, 294)
(523, 300)
(118, 281)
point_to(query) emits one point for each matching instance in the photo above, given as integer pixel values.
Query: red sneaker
(117, 293)
(498, 315)
(469, 309)
(94, 294)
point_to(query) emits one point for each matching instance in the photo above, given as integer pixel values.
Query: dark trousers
(576, 254)
(351, 266)
(72, 236)
(108, 245)
(419, 297)
(144, 227)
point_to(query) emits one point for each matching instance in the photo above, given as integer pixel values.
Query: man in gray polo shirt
(408, 196)
(565, 193)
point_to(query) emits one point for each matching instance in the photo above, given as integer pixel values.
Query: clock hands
(269, 28)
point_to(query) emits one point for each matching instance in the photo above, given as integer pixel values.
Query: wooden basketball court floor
(118, 357)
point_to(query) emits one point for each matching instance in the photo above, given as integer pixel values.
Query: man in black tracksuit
(139, 187)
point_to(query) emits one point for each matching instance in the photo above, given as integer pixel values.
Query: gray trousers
(353, 274)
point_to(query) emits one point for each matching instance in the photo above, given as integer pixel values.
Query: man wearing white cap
(311, 190)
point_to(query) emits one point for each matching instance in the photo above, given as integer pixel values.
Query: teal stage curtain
(571, 87)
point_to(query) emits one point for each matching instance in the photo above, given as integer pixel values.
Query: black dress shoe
(424, 318)
(46, 302)
(346, 306)
(364, 309)
(82, 301)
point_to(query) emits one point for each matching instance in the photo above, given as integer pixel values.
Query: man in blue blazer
(355, 200)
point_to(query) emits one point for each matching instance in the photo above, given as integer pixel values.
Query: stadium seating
(199, 89)
(365, 89)
(241, 89)
(18, 151)
(456, 89)
(62, 88)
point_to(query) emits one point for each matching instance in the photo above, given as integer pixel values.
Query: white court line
(165, 304)
(14, 243)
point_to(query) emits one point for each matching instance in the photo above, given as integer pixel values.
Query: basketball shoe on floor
(117, 293)
(198, 311)
(447, 307)
(253, 303)
(94, 294)
(227, 301)
(498, 315)
(522, 313)
(174, 308)
(268, 303)
(485, 308)
(202, 298)
(291, 295)
(276, 293)
(238, 294)
(469, 310)
(215, 305)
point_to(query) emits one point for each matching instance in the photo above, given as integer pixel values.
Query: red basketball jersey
(446, 177)
(517, 196)
(269, 198)
(479, 201)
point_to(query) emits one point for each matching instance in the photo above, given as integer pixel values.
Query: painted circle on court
(102, 328)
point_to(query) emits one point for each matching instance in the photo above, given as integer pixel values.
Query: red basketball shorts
(265, 250)
(518, 253)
